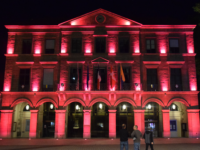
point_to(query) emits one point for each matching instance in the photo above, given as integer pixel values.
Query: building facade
(88, 75)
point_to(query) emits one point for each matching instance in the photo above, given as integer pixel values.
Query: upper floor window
(24, 80)
(50, 47)
(47, 79)
(176, 79)
(100, 44)
(150, 46)
(124, 44)
(75, 78)
(127, 74)
(26, 46)
(152, 80)
(174, 45)
(103, 78)
(76, 45)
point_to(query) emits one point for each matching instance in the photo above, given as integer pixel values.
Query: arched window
(173, 107)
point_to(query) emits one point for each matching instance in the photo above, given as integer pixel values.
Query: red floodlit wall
(166, 123)
(33, 124)
(6, 123)
(193, 122)
(112, 123)
(139, 120)
(86, 123)
(60, 124)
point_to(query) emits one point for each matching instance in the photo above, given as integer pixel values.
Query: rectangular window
(24, 80)
(75, 78)
(76, 45)
(174, 45)
(150, 46)
(103, 75)
(100, 44)
(26, 46)
(127, 74)
(152, 80)
(27, 127)
(47, 80)
(176, 79)
(50, 46)
(124, 44)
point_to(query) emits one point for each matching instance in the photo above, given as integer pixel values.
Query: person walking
(123, 133)
(137, 135)
(148, 136)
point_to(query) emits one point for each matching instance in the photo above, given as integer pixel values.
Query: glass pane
(173, 43)
(50, 44)
(148, 47)
(147, 41)
(27, 46)
(48, 77)
(27, 125)
(152, 42)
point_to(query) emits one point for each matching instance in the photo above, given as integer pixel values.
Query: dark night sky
(19, 12)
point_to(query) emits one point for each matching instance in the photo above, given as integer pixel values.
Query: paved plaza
(95, 144)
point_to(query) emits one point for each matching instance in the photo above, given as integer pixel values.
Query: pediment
(91, 19)
(100, 60)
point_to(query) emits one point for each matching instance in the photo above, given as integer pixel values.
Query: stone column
(33, 124)
(139, 119)
(87, 124)
(6, 123)
(112, 123)
(60, 124)
(166, 123)
(193, 122)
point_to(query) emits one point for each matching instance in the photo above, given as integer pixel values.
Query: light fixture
(173, 106)
(149, 106)
(100, 106)
(22, 86)
(151, 85)
(124, 107)
(27, 107)
(51, 106)
(176, 85)
(73, 78)
(77, 107)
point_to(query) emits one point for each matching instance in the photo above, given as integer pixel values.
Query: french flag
(98, 79)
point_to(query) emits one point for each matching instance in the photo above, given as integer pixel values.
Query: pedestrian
(123, 133)
(148, 136)
(137, 135)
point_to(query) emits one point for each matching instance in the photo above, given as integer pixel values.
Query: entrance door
(25, 128)
(99, 120)
(124, 116)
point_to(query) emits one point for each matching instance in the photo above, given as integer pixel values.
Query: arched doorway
(46, 120)
(178, 120)
(74, 119)
(21, 120)
(99, 120)
(124, 115)
(153, 118)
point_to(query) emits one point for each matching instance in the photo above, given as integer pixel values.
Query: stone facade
(137, 59)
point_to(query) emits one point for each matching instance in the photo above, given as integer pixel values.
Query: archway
(74, 120)
(124, 115)
(99, 120)
(153, 118)
(178, 119)
(21, 120)
(46, 120)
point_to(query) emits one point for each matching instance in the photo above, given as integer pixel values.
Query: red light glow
(112, 89)
(60, 124)
(73, 23)
(112, 123)
(35, 89)
(190, 43)
(164, 89)
(127, 23)
(193, 88)
(166, 123)
(37, 51)
(86, 123)
(163, 51)
(7, 89)
(10, 51)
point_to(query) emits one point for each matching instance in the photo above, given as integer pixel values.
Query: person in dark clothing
(148, 136)
(136, 134)
(123, 133)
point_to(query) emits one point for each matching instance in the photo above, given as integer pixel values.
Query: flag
(112, 78)
(98, 79)
(122, 77)
(87, 76)
(77, 81)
